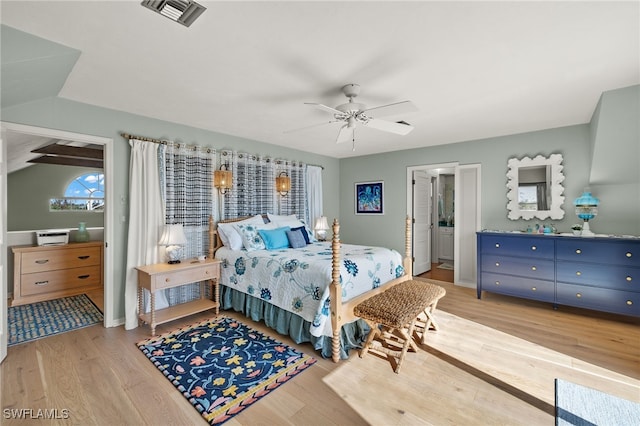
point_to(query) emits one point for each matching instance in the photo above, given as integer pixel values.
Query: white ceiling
(474, 69)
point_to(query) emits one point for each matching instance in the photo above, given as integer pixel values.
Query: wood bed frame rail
(341, 313)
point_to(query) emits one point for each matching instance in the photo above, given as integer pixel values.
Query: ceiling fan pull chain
(353, 140)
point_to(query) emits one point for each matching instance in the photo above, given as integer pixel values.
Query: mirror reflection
(534, 188)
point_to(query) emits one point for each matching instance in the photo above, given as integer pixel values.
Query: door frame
(457, 215)
(108, 145)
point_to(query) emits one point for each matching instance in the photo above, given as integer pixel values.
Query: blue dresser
(597, 273)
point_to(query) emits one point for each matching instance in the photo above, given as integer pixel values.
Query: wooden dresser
(50, 272)
(599, 273)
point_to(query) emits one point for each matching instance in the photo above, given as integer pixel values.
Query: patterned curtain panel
(253, 190)
(189, 200)
(295, 202)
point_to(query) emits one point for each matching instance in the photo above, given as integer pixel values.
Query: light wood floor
(101, 377)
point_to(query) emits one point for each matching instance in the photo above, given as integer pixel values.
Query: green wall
(28, 194)
(619, 212)
(66, 115)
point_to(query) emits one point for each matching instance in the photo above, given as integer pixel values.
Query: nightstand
(161, 276)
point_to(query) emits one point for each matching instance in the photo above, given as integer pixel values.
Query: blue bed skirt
(352, 335)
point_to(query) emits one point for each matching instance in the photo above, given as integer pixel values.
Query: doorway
(10, 130)
(454, 220)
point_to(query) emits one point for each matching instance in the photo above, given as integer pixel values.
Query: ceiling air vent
(182, 11)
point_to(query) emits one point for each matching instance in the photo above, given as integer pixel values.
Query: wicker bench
(395, 315)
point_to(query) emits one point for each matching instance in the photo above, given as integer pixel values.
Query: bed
(306, 292)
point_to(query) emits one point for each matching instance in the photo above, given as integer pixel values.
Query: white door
(3, 250)
(422, 222)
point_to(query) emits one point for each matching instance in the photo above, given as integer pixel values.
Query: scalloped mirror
(534, 188)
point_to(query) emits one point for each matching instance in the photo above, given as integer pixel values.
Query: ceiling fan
(353, 114)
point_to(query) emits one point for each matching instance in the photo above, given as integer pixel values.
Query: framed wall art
(370, 197)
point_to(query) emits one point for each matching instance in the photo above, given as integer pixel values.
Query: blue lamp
(586, 209)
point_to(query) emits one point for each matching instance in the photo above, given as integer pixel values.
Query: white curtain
(314, 193)
(295, 202)
(146, 221)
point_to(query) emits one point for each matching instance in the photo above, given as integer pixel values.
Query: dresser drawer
(616, 277)
(47, 282)
(623, 253)
(601, 299)
(51, 260)
(530, 268)
(531, 247)
(173, 279)
(518, 286)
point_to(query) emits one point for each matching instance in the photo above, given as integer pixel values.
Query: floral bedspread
(298, 280)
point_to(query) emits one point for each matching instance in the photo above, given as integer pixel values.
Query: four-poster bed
(333, 328)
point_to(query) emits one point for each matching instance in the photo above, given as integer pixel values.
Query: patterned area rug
(222, 366)
(42, 319)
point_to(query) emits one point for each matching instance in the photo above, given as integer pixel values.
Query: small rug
(578, 405)
(43, 319)
(222, 366)
(445, 266)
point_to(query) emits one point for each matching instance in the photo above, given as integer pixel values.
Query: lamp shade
(222, 180)
(173, 235)
(321, 224)
(283, 183)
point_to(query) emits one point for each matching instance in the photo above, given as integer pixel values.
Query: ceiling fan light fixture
(181, 11)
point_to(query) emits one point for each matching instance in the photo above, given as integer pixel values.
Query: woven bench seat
(395, 314)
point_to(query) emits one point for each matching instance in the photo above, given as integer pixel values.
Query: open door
(4, 334)
(422, 221)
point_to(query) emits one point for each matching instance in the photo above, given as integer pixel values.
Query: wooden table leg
(153, 313)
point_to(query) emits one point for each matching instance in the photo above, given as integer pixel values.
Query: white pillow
(295, 223)
(251, 239)
(230, 236)
(277, 217)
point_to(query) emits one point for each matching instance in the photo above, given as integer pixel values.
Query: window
(84, 193)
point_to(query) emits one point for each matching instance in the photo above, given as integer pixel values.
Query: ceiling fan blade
(391, 109)
(324, 108)
(297, 129)
(389, 126)
(345, 134)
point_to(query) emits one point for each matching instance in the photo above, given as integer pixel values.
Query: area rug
(43, 319)
(578, 405)
(222, 366)
(445, 266)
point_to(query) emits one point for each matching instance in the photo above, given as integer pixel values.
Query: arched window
(84, 193)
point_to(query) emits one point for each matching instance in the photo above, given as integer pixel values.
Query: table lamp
(586, 209)
(321, 227)
(173, 237)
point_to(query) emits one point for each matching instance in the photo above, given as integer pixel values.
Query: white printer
(52, 237)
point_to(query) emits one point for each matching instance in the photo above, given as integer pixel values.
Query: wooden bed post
(211, 239)
(335, 293)
(408, 261)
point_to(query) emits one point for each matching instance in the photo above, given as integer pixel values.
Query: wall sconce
(321, 227)
(173, 237)
(223, 179)
(586, 209)
(283, 183)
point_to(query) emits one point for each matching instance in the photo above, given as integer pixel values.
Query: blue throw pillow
(296, 238)
(275, 238)
(303, 231)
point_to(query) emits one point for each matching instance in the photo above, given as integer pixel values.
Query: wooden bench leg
(373, 333)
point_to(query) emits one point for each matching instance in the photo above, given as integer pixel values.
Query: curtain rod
(146, 139)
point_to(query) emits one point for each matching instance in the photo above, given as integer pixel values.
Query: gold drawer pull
(166, 280)
(628, 254)
(42, 282)
(83, 257)
(578, 273)
(84, 277)
(497, 263)
(533, 288)
(42, 262)
(533, 268)
(497, 282)
(534, 248)
(578, 251)
(629, 279)
(497, 245)
(578, 295)
(629, 302)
